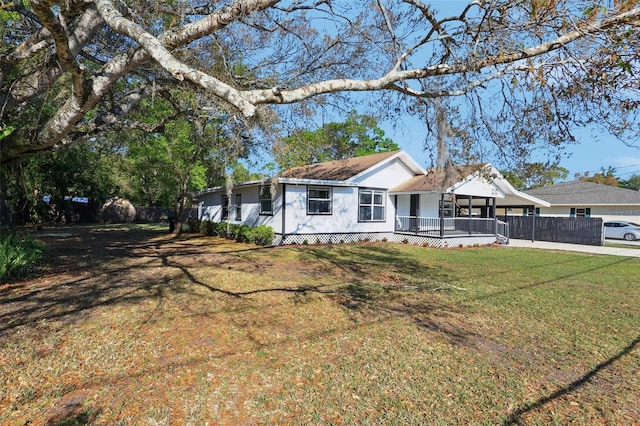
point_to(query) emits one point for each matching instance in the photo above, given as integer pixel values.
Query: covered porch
(453, 216)
(468, 208)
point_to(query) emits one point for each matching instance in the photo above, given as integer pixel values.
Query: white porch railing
(450, 226)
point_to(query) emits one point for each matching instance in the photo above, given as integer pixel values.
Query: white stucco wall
(429, 205)
(343, 217)
(250, 214)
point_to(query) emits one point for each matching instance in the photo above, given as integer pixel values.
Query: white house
(588, 199)
(384, 196)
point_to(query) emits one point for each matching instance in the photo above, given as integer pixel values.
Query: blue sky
(589, 155)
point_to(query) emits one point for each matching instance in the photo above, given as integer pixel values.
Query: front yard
(131, 326)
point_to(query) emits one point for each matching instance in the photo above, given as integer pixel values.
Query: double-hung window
(238, 206)
(266, 203)
(224, 205)
(371, 205)
(318, 200)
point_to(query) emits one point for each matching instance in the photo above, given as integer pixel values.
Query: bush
(224, 230)
(263, 235)
(243, 234)
(194, 225)
(17, 255)
(208, 227)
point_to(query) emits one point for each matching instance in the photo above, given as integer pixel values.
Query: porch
(452, 227)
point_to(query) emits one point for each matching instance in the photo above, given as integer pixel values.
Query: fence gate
(575, 230)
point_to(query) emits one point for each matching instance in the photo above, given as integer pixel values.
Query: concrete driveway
(632, 251)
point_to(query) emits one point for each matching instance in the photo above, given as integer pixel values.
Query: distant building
(588, 199)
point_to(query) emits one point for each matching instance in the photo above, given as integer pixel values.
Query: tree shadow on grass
(97, 268)
(385, 282)
(100, 267)
(515, 417)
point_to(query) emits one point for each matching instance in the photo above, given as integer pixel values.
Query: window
(224, 204)
(446, 207)
(266, 204)
(318, 200)
(371, 205)
(238, 206)
(580, 212)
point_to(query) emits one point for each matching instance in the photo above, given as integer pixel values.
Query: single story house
(588, 199)
(383, 196)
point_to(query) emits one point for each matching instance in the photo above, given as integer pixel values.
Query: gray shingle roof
(579, 192)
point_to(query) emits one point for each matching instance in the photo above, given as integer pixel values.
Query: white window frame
(224, 207)
(328, 199)
(264, 197)
(238, 207)
(372, 205)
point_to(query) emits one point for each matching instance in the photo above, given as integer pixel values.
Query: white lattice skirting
(457, 241)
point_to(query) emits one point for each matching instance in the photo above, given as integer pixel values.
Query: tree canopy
(358, 135)
(501, 78)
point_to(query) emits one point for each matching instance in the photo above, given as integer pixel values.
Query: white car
(622, 229)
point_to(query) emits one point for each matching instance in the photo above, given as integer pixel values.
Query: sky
(588, 155)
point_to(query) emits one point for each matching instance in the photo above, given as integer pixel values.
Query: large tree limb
(161, 51)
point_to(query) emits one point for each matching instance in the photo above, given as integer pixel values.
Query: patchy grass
(131, 326)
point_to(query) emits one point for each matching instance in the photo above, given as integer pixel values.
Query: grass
(622, 244)
(131, 326)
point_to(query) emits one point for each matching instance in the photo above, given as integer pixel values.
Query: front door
(414, 211)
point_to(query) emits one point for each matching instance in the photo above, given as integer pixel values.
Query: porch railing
(451, 226)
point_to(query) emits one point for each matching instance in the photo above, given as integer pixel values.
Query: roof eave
(323, 182)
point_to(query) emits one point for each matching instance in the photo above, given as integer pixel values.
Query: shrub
(243, 234)
(208, 228)
(223, 229)
(263, 235)
(17, 255)
(194, 225)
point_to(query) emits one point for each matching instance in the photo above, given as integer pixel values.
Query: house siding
(428, 207)
(343, 217)
(630, 213)
(212, 208)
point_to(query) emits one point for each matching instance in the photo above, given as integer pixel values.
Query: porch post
(395, 212)
(469, 212)
(493, 214)
(283, 212)
(533, 223)
(442, 215)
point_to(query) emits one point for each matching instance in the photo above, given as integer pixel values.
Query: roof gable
(437, 179)
(346, 169)
(481, 180)
(580, 192)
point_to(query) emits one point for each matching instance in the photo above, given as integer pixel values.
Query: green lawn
(130, 326)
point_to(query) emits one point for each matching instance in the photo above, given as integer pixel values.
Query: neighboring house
(384, 196)
(587, 199)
